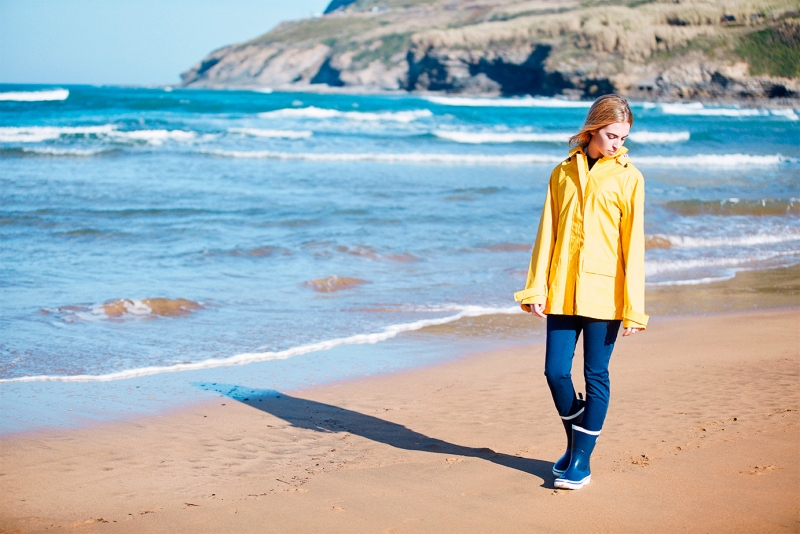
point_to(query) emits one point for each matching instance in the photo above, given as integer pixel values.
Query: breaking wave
(501, 137)
(700, 160)
(155, 137)
(313, 112)
(243, 359)
(713, 160)
(554, 137)
(659, 137)
(668, 241)
(693, 281)
(35, 96)
(37, 134)
(525, 102)
(76, 152)
(273, 134)
(788, 113)
(698, 109)
(413, 157)
(655, 267)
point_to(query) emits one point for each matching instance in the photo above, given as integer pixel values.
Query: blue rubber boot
(578, 474)
(568, 420)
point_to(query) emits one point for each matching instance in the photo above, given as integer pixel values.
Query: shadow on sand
(312, 415)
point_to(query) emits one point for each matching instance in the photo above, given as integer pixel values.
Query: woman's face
(607, 140)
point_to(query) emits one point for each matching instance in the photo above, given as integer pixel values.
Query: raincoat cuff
(627, 323)
(529, 296)
(632, 319)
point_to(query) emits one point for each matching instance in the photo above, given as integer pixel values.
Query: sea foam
(37, 134)
(155, 137)
(35, 96)
(659, 137)
(501, 137)
(77, 152)
(787, 113)
(713, 160)
(313, 112)
(525, 102)
(553, 137)
(274, 134)
(412, 157)
(728, 241)
(693, 281)
(698, 109)
(655, 267)
(125, 309)
(252, 357)
(699, 160)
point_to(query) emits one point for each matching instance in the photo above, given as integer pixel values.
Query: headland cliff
(734, 50)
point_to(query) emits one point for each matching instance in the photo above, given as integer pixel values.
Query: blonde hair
(606, 110)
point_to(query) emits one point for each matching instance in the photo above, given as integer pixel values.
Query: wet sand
(702, 436)
(748, 290)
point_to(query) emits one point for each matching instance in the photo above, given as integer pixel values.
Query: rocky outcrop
(256, 65)
(510, 73)
(666, 50)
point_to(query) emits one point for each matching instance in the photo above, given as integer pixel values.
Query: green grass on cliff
(318, 29)
(388, 46)
(773, 51)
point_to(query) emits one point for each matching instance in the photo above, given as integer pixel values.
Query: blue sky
(127, 42)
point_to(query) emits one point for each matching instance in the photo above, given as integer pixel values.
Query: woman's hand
(536, 309)
(629, 331)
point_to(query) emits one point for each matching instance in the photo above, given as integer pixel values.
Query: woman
(587, 273)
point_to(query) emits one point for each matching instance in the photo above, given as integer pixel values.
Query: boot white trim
(590, 432)
(562, 483)
(573, 416)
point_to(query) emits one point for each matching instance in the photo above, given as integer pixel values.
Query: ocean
(159, 231)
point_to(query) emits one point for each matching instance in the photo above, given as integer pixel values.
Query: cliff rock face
(740, 49)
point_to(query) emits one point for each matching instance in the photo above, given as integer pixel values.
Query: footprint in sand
(760, 469)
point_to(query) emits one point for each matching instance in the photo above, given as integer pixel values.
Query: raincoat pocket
(605, 268)
(601, 277)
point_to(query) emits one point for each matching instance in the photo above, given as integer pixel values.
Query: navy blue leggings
(599, 337)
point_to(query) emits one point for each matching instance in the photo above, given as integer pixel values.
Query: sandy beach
(258, 271)
(702, 436)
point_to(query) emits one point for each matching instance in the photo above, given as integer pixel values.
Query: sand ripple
(163, 307)
(334, 283)
(656, 241)
(122, 309)
(362, 251)
(510, 247)
(735, 206)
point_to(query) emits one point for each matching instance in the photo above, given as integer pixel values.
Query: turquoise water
(238, 207)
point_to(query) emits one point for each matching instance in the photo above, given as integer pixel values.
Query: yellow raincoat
(589, 254)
